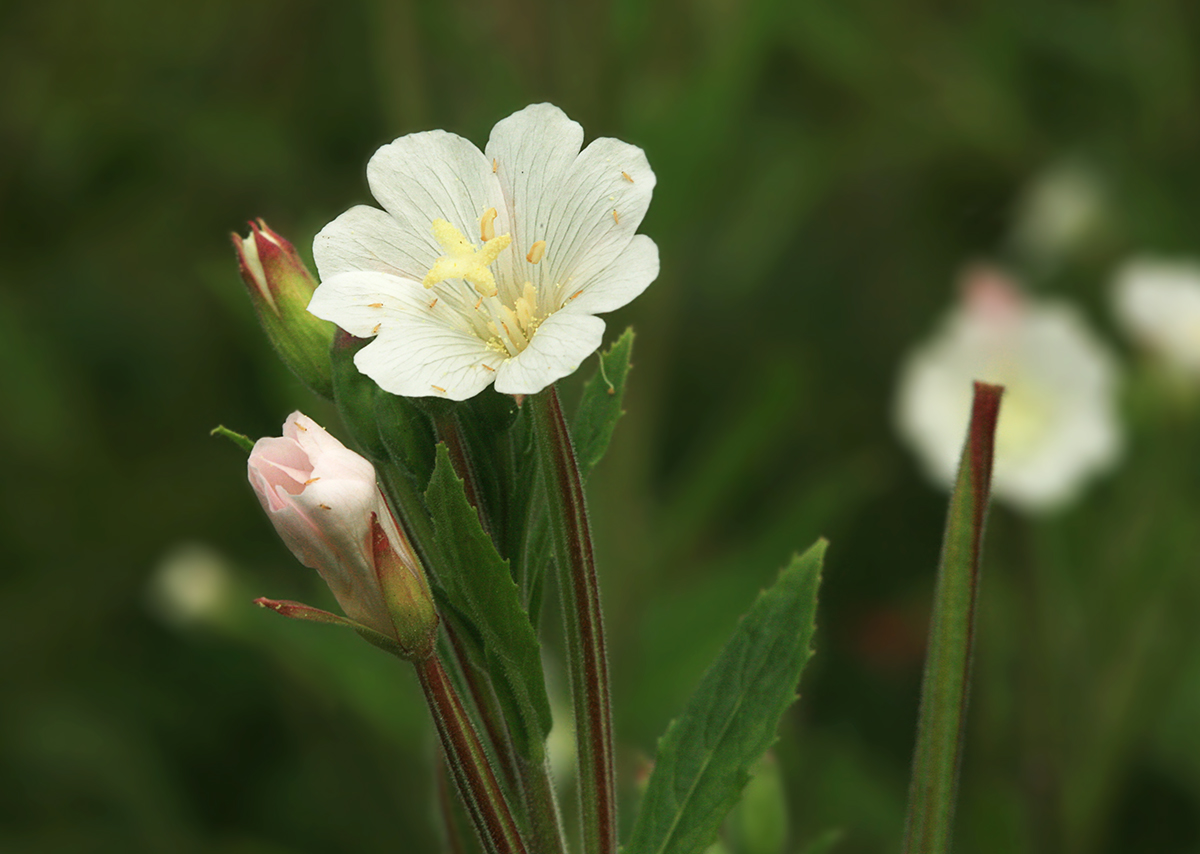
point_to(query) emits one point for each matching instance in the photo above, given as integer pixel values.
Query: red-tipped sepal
(405, 591)
(300, 611)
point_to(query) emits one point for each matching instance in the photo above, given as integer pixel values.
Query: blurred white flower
(557, 244)
(1057, 420)
(191, 584)
(1158, 303)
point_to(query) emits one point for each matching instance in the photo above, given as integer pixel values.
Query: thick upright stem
(542, 802)
(586, 655)
(468, 761)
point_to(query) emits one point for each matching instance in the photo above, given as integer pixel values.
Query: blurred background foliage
(825, 170)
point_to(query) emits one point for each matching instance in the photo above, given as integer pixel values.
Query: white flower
(1158, 302)
(488, 266)
(1057, 421)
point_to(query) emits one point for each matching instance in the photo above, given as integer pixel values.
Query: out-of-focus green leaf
(705, 757)
(477, 582)
(824, 843)
(600, 406)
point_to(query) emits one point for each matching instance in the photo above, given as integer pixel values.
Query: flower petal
(435, 175)
(362, 302)
(366, 238)
(419, 357)
(566, 197)
(620, 282)
(556, 349)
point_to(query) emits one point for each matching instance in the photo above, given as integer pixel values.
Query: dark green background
(824, 169)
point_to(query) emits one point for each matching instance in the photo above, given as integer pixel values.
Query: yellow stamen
(487, 227)
(464, 261)
(536, 251)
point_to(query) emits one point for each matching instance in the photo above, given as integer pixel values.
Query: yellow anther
(486, 365)
(464, 261)
(432, 304)
(375, 331)
(437, 388)
(536, 251)
(625, 175)
(311, 480)
(487, 226)
(375, 305)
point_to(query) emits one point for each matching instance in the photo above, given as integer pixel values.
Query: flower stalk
(586, 653)
(468, 762)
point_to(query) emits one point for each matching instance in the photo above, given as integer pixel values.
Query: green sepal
(600, 407)
(477, 583)
(300, 611)
(706, 755)
(242, 441)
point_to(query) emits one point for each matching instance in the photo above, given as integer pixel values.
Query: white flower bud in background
(191, 585)
(1059, 212)
(1058, 424)
(1158, 304)
(324, 502)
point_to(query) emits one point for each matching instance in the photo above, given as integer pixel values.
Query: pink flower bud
(323, 500)
(280, 287)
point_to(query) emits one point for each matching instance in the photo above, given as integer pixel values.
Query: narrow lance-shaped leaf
(946, 684)
(707, 754)
(600, 406)
(478, 584)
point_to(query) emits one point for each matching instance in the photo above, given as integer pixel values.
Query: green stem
(477, 785)
(586, 655)
(946, 685)
(542, 803)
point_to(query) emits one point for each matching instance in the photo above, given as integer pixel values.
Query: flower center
(462, 260)
(512, 328)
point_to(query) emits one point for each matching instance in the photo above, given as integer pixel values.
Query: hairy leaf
(705, 757)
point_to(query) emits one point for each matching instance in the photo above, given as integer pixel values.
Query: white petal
(366, 238)
(360, 302)
(567, 200)
(558, 346)
(421, 357)
(620, 282)
(435, 175)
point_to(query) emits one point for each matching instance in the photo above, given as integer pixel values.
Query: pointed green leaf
(946, 684)
(705, 757)
(600, 407)
(477, 583)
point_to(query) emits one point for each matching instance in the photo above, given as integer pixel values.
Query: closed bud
(325, 504)
(280, 287)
